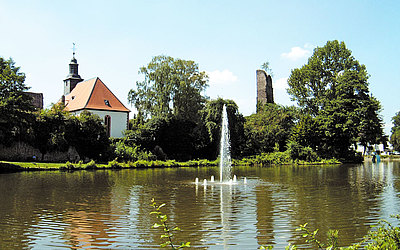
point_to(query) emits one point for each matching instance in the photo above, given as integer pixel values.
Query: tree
(265, 66)
(333, 88)
(212, 119)
(88, 135)
(49, 130)
(395, 136)
(270, 126)
(15, 106)
(167, 82)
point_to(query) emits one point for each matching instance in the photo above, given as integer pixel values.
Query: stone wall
(21, 151)
(265, 92)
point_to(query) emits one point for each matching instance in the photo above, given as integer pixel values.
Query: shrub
(131, 153)
(297, 151)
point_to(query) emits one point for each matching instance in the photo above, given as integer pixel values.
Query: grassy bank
(6, 166)
(259, 160)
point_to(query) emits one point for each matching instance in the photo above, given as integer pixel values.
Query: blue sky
(228, 39)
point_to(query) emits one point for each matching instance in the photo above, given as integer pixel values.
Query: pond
(110, 209)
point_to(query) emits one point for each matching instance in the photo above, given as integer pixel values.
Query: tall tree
(15, 106)
(270, 126)
(333, 88)
(49, 130)
(170, 86)
(212, 119)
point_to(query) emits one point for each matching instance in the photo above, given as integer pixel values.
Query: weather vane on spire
(73, 49)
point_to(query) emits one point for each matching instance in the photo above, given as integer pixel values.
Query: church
(94, 96)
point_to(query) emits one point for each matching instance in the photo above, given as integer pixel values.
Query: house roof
(93, 94)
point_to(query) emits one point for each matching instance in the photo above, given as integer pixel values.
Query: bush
(131, 153)
(299, 152)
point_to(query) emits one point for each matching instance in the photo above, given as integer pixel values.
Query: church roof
(93, 94)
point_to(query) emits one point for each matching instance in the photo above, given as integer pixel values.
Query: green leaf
(156, 225)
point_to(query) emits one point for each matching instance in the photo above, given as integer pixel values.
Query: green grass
(6, 166)
(276, 158)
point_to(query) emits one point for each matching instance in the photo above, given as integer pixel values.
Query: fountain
(225, 164)
(225, 149)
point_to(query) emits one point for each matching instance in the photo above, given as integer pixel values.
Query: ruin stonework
(265, 92)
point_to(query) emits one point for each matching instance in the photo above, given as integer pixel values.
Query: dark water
(110, 209)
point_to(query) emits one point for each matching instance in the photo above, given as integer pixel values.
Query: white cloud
(298, 53)
(281, 83)
(217, 77)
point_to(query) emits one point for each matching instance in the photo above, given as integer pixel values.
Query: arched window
(107, 122)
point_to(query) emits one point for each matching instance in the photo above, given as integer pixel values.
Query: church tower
(73, 78)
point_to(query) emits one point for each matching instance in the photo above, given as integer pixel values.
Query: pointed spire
(73, 78)
(73, 50)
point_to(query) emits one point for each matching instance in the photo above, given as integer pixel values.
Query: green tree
(15, 106)
(333, 88)
(395, 136)
(265, 66)
(270, 126)
(170, 86)
(212, 119)
(49, 130)
(88, 135)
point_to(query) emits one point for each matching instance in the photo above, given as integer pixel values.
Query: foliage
(87, 134)
(212, 119)
(395, 136)
(333, 88)
(306, 132)
(386, 236)
(15, 106)
(170, 81)
(300, 152)
(168, 233)
(310, 236)
(49, 130)
(133, 153)
(271, 125)
(265, 66)
(166, 137)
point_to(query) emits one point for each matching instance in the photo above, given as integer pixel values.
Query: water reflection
(110, 209)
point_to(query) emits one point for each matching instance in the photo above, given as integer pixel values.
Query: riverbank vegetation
(175, 122)
(384, 235)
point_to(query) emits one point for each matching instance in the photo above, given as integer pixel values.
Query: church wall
(119, 120)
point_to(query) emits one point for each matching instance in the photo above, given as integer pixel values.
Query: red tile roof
(93, 94)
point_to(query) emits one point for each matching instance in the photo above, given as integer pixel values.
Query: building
(94, 96)
(265, 92)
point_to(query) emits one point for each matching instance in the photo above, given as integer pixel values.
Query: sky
(229, 40)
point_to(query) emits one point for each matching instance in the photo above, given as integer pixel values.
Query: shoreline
(9, 166)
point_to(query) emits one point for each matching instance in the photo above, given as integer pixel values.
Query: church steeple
(73, 78)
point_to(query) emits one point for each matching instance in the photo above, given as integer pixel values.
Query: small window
(107, 102)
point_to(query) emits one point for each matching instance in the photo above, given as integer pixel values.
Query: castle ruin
(265, 92)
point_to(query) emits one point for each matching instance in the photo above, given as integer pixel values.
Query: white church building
(94, 96)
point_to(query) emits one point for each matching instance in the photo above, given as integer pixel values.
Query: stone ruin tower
(265, 92)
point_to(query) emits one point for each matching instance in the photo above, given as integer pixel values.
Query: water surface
(110, 209)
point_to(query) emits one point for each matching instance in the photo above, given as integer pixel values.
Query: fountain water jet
(225, 149)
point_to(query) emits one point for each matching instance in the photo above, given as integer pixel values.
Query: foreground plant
(310, 236)
(168, 233)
